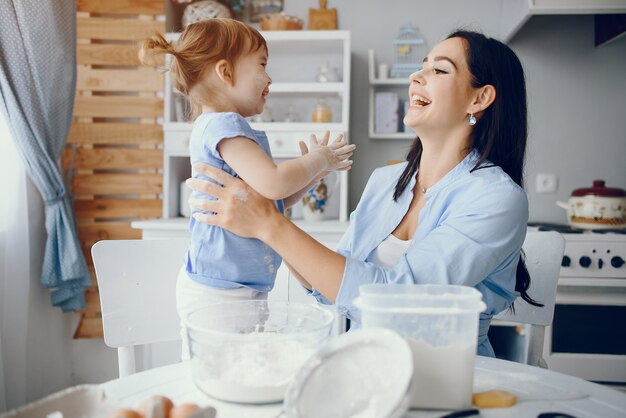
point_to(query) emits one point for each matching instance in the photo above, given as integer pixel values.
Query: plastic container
(249, 351)
(440, 322)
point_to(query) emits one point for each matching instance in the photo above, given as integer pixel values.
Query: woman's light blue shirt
(470, 232)
(217, 257)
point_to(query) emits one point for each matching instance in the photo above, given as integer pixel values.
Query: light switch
(546, 183)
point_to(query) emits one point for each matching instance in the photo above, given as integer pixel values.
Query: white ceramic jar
(597, 207)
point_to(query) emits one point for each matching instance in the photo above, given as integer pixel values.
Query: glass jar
(292, 115)
(326, 74)
(322, 113)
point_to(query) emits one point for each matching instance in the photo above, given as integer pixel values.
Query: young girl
(219, 64)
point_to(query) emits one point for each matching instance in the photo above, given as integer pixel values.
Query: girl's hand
(335, 154)
(238, 208)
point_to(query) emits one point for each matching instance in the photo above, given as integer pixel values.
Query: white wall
(577, 93)
(577, 108)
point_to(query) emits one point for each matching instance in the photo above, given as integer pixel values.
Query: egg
(156, 407)
(184, 410)
(125, 413)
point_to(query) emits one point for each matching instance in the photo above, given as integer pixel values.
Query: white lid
(364, 373)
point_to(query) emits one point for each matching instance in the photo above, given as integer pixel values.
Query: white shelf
(390, 82)
(376, 84)
(296, 55)
(306, 35)
(291, 88)
(308, 127)
(397, 135)
(181, 224)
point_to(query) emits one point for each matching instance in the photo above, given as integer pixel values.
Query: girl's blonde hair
(200, 46)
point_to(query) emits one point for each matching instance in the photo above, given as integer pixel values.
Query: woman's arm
(298, 277)
(243, 211)
(279, 181)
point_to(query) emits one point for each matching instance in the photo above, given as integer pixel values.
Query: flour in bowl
(254, 369)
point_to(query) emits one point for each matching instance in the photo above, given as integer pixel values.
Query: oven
(587, 337)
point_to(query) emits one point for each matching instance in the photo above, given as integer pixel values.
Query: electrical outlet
(546, 183)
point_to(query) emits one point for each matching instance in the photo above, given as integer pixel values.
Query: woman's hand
(238, 208)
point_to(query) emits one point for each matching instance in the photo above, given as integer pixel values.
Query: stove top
(566, 229)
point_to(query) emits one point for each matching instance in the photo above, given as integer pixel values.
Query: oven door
(587, 338)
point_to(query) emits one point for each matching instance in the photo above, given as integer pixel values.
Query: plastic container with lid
(440, 323)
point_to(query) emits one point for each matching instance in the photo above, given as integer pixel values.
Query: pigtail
(151, 48)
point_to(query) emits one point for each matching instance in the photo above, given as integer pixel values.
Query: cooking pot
(597, 207)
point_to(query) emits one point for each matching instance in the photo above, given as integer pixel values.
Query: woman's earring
(472, 119)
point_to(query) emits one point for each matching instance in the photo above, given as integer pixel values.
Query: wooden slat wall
(115, 145)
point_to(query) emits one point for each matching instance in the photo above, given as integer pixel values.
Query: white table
(175, 382)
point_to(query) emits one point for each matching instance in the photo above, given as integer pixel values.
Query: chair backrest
(137, 286)
(544, 251)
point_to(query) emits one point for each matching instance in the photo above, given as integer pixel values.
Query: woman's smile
(419, 101)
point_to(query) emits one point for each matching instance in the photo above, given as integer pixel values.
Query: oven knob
(617, 262)
(600, 263)
(585, 261)
(566, 262)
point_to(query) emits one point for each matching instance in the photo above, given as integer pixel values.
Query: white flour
(241, 194)
(442, 376)
(255, 369)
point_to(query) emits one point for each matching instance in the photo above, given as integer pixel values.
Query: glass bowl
(249, 351)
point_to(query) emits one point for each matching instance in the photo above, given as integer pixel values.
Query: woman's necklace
(419, 186)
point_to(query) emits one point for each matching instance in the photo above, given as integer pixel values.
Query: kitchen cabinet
(378, 84)
(306, 67)
(516, 13)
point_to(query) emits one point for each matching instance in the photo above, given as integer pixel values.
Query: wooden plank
(107, 230)
(139, 7)
(117, 29)
(86, 248)
(143, 79)
(117, 184)
(108, 54)
(118, 107)
(89, 327)
(92, 303)
(115, 133)
(118, 208)
(113, 158)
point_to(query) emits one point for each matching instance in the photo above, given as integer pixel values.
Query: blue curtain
(37, 84)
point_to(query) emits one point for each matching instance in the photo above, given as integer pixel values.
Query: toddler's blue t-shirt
(217, 257)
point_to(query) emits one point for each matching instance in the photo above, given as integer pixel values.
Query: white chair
(137, 285)
(544, 251)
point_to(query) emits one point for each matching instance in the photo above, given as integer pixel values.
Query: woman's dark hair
(500, 134)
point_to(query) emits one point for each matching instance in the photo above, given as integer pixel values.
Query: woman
(454, 212)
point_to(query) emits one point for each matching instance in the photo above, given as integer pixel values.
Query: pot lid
(599, 189)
